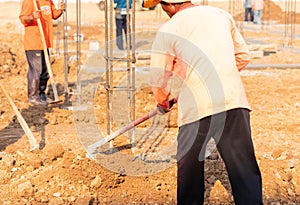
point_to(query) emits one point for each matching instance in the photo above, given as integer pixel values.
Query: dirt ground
(60, 172)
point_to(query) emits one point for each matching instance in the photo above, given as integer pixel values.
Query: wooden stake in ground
(47, 59)
(32, 140)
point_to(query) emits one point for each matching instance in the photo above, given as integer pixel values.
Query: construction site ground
(61, 172)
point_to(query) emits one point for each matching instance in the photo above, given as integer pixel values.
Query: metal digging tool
(47, 59)
(91, 150)
(33, 142)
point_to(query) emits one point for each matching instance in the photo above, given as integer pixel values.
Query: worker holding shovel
(37, 20)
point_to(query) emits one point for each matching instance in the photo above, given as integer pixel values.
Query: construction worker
(121, 21)
(248, 11)
(257, 8)
(37, 76)
(196, 57)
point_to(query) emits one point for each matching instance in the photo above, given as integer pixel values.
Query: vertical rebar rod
(128, 63)
(290, 21)
(267, 12)
(65, 38)
(111, 56)
(106, 67)
(133, 72)
(78, 48)
(286, 22)
(294, 22)
(57, 33)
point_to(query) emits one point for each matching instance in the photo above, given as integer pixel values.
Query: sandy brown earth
(60, 171)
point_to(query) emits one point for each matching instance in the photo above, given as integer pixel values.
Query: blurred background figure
(121, 23)
(248, 10)
(257, 8)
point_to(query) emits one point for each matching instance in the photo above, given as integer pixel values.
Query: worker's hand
(62, 6)
(162, 109)
(166, 107)
(36, 14)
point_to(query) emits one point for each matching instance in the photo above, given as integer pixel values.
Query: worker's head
(169, 6)
(174, 1)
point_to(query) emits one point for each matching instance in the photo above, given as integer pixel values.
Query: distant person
(37, 75)
(248, 10)
(257, 8)
(121, 21)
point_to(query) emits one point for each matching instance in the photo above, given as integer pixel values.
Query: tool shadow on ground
(35, 117)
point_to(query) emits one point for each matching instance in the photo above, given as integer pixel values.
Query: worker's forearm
(29, 18)
(161, 96)
(32, 17)
(58, 13)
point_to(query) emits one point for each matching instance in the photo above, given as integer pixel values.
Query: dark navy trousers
(37, 75)
(232, 134)
(121, 25)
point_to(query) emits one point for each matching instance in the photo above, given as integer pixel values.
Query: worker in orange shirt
(37, 75)
(196, 57)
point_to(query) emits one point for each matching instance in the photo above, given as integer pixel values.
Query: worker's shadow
(35, 117)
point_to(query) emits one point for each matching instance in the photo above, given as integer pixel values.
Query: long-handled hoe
(92, 149)
(47, 59)
(33, 142)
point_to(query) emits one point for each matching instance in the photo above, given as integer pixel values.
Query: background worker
(257, 8)
(121, 22)
(37, 75)
(248, 10)
(201, 50)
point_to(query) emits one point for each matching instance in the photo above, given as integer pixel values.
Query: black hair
(166, 3)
